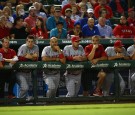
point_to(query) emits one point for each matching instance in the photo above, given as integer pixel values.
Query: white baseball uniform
(131, 51)
(73, 77)
(110, 51)
(24, 76)
(51, 76)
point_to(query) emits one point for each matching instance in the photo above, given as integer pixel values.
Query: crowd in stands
(73, 19)
(68, 14)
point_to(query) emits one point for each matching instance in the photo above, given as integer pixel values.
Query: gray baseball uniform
(24, 76)
(110, 75)
(51, 76)
(73, 77)
(131, 51)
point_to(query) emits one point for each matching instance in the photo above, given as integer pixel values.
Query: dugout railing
(113, 65)
(18, 42)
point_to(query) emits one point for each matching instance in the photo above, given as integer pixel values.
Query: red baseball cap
(131, 9)
(75, 38)
(118, 43)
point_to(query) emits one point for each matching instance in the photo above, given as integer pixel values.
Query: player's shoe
(11, 96)
(97, 93)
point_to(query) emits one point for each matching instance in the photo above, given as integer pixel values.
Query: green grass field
(89, 109)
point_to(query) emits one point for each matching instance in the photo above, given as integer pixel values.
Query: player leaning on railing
(9, 56)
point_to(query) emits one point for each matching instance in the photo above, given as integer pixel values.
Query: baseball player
(26, 52)
(95, 52)
(116, 52)
(52, 76)
(131, 53)
(74, 52)
(9, 57)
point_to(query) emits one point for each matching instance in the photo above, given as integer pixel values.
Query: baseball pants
(132, 91)
(73, 83)
(23, 79)
(52, 82)
(108, 82)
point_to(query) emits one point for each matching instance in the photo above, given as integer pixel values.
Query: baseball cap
(90, 10)
(77, 23)
(32, 8)
(57, 9)
(75, 38)
(118, 43)
(131, 9)
(68, 9)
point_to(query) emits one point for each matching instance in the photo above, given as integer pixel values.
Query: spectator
(96, 2)
(116, 52)
(103, 13)
(10, 5)
(131, 17)
(19, 31)
(95, 53)
(5, 27)
(39, 30)
(8, 13)
(69, 21)
(103, 5)
(90, 29)
(83, 10)
(31, 19)
(74, 52)
(59, 32)
(76, 31)
(68, 5)
(104, 30)
(26, 3)
(26, 52)
(2, 4)
(89, 14)
(51, 10)
(123, 30)
(52, 76)
(38, 6)
(118, 6)
(9, 57)
(89, 5)
(64, 2)
(75, 13)
(20, 12)
(51, 21)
